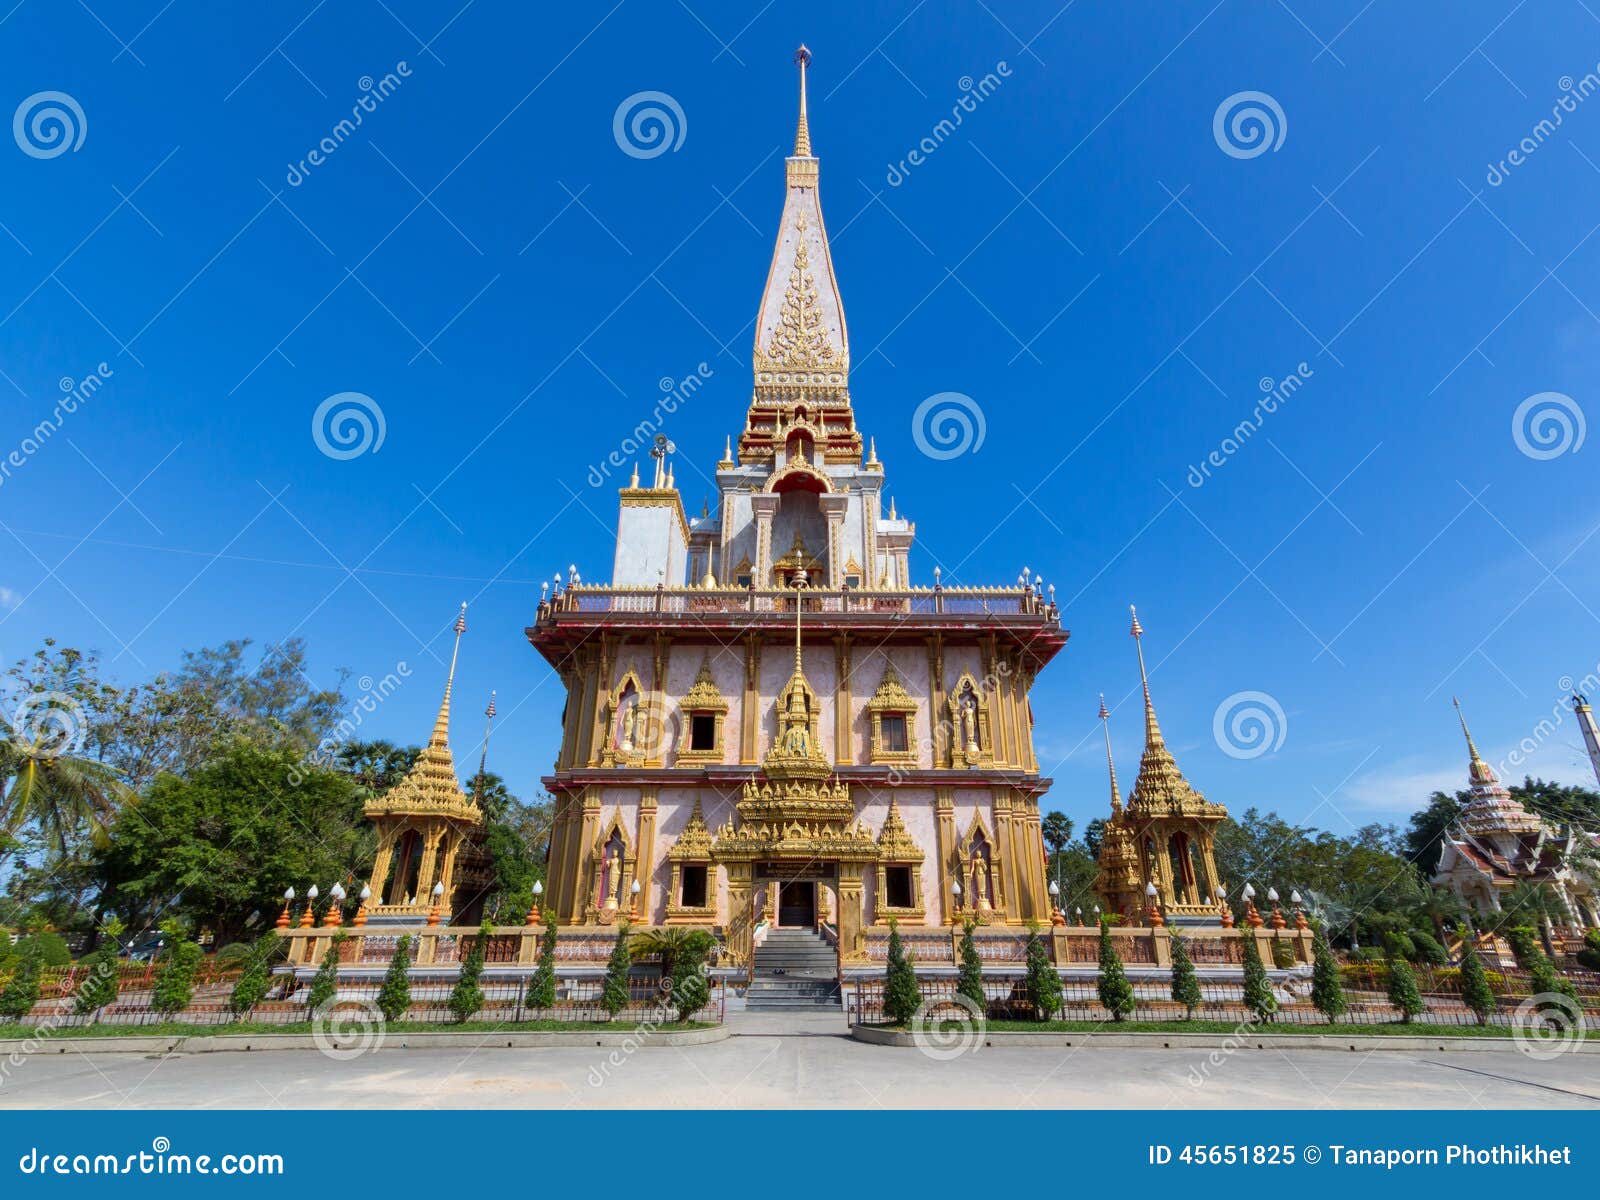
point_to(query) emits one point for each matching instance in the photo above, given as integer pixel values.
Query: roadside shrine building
(766, 719)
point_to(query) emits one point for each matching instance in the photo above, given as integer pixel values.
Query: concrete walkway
(813, 1067)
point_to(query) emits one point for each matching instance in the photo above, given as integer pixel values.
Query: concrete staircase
(795, 971)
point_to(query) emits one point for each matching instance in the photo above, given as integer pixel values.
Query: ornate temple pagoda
(1497, 843)
(431, 859)
(767, 722)
(1163, 838)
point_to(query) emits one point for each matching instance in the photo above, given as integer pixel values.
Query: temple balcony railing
(1019, 613)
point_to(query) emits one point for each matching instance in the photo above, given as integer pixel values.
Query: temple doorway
(797, 905)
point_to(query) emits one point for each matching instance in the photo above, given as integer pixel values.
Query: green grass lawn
(1392, 1029)
(173, 1029)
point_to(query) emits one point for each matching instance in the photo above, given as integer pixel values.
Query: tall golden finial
(441, 724)
(1152, 731)
(488, 728)
(802, 133)
(799, 583)
(1111, 766)
(1478, 770)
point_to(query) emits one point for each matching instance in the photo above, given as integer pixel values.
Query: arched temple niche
(971, 740)
(614, 868)
(977, 868)
(627, 729)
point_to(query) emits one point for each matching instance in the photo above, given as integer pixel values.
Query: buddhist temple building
(1497, 843)
(768, 723)
(1165, 836)
(431, 861)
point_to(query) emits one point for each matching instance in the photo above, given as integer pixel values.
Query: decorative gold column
(852, 941)
(430, 857)
(380, 864)
(843, 714)
(750, 710)
(945, 812)
(942, 738)
(1012, 907)
(647, 852)
(598, 731)
(657, 739)
(765, 507)
(739, 917)
(580, 858)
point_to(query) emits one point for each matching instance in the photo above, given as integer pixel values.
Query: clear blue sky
(1080, 257)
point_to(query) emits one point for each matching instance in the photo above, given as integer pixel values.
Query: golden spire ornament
(802, 133)
(1111, 766)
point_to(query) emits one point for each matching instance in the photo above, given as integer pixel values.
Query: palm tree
(669, 942)
(376, 765)
(47, 784)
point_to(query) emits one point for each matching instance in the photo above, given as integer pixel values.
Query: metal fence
(578, 1000)
(1224, 1001)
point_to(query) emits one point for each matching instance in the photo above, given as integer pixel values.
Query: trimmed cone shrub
(394, 997)
(1258, 997)
(1327, 985)
(1428, 949)
(1185, 984)
(614, 995)
(1043, 982)
(174, 986)
(52, 948)
(99, 986)
(970, 981)
(325, 983)
(691, 990)
(542, 983)
(21, 992)
(901, 995)
(1403, 993)
(1476, 992)
(466, 997)
(1589, 956)
(1116, 993)
(1542, 974)
(251, 987)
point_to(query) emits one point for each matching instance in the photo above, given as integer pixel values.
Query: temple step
(794, 970)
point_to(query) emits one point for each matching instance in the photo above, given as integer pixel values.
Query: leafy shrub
(1403, 993)
(1588, 957)
(901, 995)
(174, 986)
(100, 983)
(1428, 950)
(466, 998)
(251, 987)
(52, 949)
(1397, 943)
(1112, 986)
(394, 997)
(614, 993)
(1282, 954)
(233, 954)
(1258, 995)
(21, 992)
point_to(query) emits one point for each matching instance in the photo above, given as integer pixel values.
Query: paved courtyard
(813, 1067)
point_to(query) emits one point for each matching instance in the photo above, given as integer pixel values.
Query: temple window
(702, 732)
(705, 710)
(743, 580)
(693, 894)
(893, 714)
(897, 886)
(853, 580)
(894, 733)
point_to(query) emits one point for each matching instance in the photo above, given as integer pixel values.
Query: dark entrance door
(797, 904)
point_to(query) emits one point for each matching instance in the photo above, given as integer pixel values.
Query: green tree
(970, 981)
(250, 989)
(394, 997)
(1428, 949)
(223, 844)
(1258, 997)
(1476, 993)
(174, 986)
(1042, 982)
(1093, 834)
(614, 993)
(325, 983)
(690, 990)
(21, 992)
(466, 998)
(1185, 985)
(1425, 837)
(100, 983)
(901, 995)
(1403, 992)
(1327, 986)
(1116, 993)
(542, 983)
(1057, 830)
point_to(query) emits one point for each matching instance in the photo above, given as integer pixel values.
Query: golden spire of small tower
(488, 727)
(441, 724)
(1152, 730)
(802, 133)
(1111, 766)
(1479, 770)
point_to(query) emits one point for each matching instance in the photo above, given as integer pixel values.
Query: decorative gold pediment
(891, 695)
(704, 696)
(694, 843)
(895, 844)
(800, 340)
